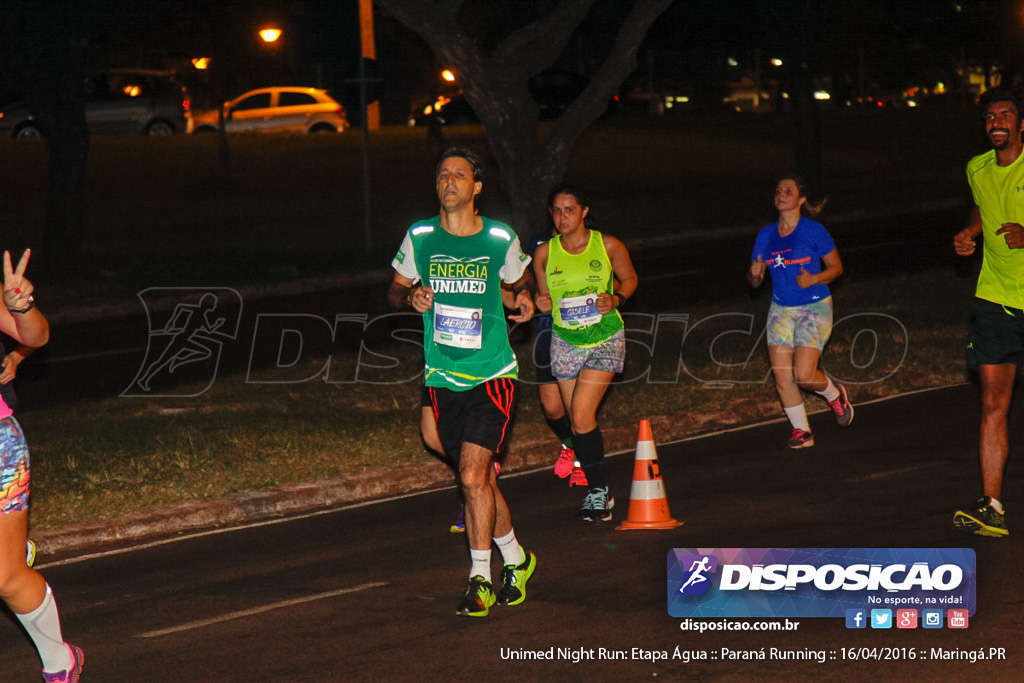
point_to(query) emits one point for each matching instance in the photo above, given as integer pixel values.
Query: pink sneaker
(72, 675)
(578, 478)
(563, 466)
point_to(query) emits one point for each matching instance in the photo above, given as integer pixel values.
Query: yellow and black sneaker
(514, 578)
(982, 519)
(478, 599)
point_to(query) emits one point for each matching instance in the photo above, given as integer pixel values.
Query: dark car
(445, 111)
(118, 102)
(553, 91)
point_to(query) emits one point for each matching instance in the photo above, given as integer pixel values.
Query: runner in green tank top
(577, 272)
(452, 269)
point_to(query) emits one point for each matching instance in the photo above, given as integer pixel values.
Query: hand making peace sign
(17, 288)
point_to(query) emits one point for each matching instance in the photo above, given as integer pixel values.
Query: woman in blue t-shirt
(795, 249)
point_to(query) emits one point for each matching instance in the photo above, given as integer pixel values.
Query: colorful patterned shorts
(14, 467)
(567, 360)
(807, 325)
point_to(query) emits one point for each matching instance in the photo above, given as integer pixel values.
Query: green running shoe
(514, 578)
(478, 599)
(982, 519)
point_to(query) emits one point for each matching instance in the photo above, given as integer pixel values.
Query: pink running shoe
(72, 675)
(578, 478)
(800, 439)
(563, 466)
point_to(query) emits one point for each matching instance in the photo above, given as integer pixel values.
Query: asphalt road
(368, 593)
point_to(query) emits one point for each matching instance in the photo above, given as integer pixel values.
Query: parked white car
(276, 110)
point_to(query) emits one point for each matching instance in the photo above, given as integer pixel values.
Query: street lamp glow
(270, 35)
(776, 62)
(448, 75)
(201, 63)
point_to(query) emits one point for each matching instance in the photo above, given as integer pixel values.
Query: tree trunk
(496, 85)
(67, 150)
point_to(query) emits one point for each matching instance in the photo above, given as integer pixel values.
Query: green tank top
(465, 337)
(574, 281)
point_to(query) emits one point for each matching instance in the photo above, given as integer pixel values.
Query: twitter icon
(881, 618)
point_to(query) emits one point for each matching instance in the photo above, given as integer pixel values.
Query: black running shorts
(479, 416)
(996, 335)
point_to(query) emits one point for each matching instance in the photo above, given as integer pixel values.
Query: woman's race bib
(457, 326)
(579, 311)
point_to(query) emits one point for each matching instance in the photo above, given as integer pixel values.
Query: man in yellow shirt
(996, 337)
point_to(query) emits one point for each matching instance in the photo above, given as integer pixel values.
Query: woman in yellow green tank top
(583, 277)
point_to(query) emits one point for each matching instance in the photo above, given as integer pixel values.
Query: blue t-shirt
(784, 256)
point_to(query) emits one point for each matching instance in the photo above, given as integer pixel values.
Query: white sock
(798, 417)
(511, 552)
(43, 626)
(830, 392)
(996, 504)
(481, 563)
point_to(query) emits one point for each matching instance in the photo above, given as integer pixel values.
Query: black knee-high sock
(590, 452)
(562, 428)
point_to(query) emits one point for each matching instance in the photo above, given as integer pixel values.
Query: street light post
(371, 115)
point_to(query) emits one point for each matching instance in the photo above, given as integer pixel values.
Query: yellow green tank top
(574, 281)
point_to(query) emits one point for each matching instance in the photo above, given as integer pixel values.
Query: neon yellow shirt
(999, 193)
(574, 281)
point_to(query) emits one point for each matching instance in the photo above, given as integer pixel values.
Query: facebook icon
(856, 618)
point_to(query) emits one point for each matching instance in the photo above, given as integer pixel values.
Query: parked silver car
(118, 102)
(277, 109)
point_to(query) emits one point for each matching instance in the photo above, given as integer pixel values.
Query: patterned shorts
(14, 469)
(807, 325)
(567, 360)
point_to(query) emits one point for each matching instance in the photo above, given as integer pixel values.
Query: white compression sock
(798, 417)
(43, 626)
(511, 552)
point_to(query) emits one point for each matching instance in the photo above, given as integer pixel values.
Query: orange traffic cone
(648, 508)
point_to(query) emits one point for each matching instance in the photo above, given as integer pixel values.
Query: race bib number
(579, 311)
(457, 326)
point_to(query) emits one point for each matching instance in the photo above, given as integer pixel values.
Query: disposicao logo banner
(817, 582)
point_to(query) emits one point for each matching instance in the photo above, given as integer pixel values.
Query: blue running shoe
(459, 525)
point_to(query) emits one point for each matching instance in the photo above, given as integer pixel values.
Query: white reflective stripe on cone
(645, 451)
(646, 490)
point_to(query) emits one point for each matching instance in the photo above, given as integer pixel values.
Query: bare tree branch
(535, 47)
